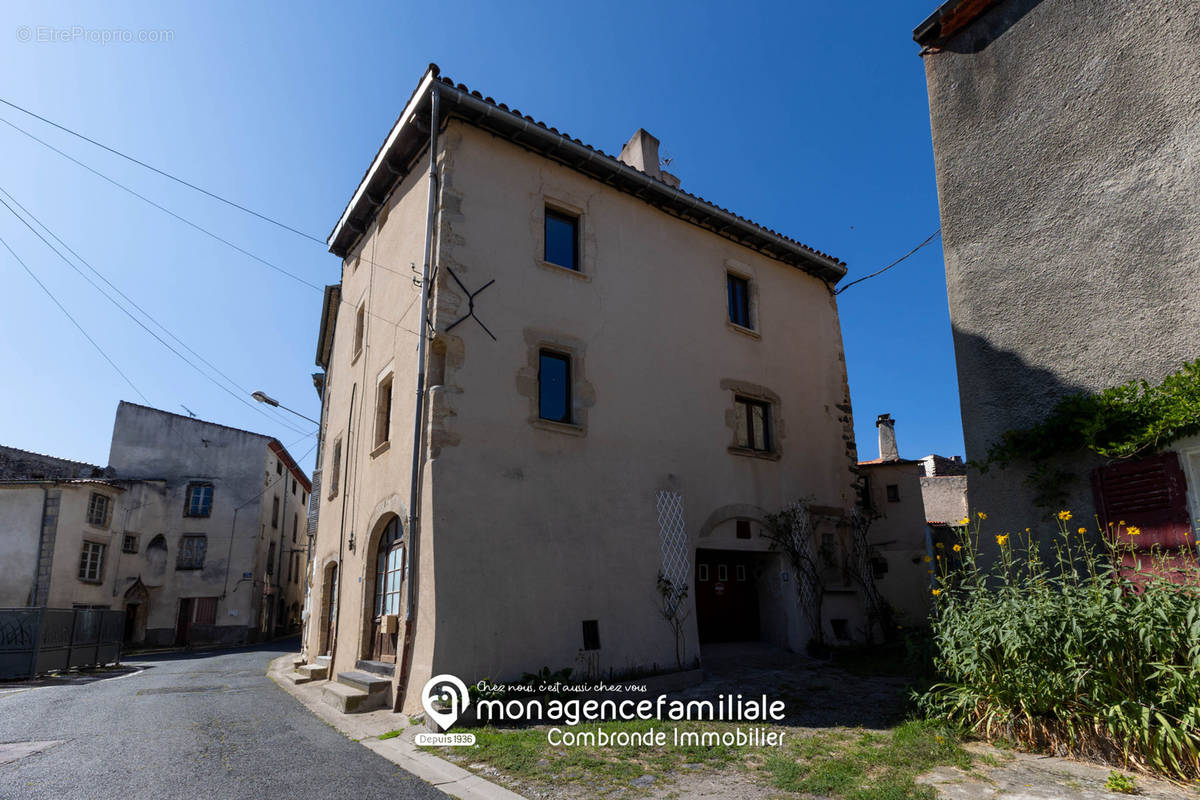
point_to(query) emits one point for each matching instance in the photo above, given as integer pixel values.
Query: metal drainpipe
(343, 467)
(419, 406)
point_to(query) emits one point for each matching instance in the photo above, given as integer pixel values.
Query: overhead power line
(74, 321)
(239, 397)
(164, 173)
(198, 227)
(183, 182)
(932, 236)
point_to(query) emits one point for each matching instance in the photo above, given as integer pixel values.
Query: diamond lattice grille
(673, 538)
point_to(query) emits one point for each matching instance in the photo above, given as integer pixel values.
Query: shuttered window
(206, 611)
(1150, 494)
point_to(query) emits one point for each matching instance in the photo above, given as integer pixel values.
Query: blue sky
(810, 118)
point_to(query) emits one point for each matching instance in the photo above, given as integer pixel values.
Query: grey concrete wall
(1065, 135)
(945, 498)
(20, 529)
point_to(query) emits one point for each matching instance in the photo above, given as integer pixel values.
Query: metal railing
(34, 641)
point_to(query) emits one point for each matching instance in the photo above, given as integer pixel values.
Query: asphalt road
(206, 725)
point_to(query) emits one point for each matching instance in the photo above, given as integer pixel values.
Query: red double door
(726, 596)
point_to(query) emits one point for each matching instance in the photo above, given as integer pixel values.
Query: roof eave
(949, 18)
(570, 152)
(329, 314)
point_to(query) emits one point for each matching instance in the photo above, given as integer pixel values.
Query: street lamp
(263, 397)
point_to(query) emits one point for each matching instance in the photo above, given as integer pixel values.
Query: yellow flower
(940, 546)
(1064, 515)
(1002, 539)
(1134, 530)
(1082, 529)
(1122, 522)
(928, 559)
(957, 548)
(936, 592)
(982, 515)
(964, 521)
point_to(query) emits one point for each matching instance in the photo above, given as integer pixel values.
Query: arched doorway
(388, 584)
(137, 611)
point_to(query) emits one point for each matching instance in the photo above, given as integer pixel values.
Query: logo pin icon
(453, 695)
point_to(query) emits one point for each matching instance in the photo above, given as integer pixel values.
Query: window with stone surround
(91, 562)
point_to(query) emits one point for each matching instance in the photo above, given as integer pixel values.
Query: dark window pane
(554, 387)
(562, 239)
(591, 634)
(753, 424)
(739, 301)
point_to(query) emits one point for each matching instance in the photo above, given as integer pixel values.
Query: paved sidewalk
(367, 727)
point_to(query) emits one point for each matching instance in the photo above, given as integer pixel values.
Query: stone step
(349, 700)
(296, 678)
(382, 668)
(314, 672)
(324, 660)
(365, 681)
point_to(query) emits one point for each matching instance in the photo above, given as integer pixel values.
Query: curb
(366, 729)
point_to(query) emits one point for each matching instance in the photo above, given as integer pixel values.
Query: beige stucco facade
(531, 529)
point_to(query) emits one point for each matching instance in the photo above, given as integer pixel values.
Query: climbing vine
(793, 532)
(1121, 422)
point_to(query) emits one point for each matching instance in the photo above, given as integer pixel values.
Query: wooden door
(131, 612)
(331, 599)
(389, 580)
(726, 596)
(183, 623)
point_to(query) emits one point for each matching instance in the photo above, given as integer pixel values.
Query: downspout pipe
(418, 441)
(343, 468)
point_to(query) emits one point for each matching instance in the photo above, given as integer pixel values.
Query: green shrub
(1122, 784)
(1068, 653)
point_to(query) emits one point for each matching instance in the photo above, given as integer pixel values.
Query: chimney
(641, 152)
(887, 438)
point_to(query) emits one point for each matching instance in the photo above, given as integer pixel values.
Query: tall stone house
(1065, 138)
(620, 382)
(194, 530)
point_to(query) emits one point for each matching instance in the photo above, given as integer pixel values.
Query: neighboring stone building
(913, 503)
(20, 464)
(193, 529)
(623, 381)
(1065, 137)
